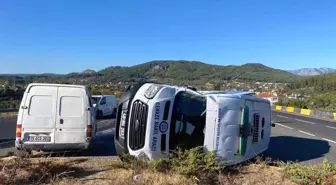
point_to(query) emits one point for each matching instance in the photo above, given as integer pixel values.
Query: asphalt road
(317, 128)
(295, 138)
(302, 138)
(102, 143)
(7, 129)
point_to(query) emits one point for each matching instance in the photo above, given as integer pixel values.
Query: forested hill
(319, 90)
(316, 84)
(175, 72)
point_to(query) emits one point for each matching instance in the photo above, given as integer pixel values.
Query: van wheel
(23, 153)
(111, 115)
(95, 131)
(114, 113)
(99, 114)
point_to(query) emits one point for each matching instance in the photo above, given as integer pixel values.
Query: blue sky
(61, 36)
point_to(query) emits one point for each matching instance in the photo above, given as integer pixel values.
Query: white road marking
(306, 133)
(305, 121)
(331, 127)
(284, 126)
(329, 140)
(282, 116)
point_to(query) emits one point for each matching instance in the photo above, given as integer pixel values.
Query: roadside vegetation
(8, 114)
(184, 168)
(319, 92)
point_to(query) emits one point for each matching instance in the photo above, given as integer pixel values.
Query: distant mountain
(312, 71)
(88, 71)
(172, 72)
(194, 72)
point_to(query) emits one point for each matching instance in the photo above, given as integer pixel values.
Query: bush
(193, 163)
(311, 174)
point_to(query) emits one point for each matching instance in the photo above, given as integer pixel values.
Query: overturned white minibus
(153, 119)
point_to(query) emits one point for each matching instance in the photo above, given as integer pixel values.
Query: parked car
(105, 105)
(55, 117)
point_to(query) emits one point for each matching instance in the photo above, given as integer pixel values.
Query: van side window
(103, 101)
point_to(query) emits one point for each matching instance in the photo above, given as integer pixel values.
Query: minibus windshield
(188, 120)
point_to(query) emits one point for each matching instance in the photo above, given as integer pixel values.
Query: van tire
(114, 113)
(99, 114)
(21, 153)
(111, 115)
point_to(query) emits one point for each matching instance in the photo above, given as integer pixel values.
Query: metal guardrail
(8, 110)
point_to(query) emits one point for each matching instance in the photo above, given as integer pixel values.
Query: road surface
(295, 138)
(302, 138)
(102, 144)
(7, 129)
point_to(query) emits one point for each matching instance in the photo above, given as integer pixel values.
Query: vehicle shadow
(287, 148)
(102, 145)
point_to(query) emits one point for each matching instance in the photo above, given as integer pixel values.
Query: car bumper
(54, 147)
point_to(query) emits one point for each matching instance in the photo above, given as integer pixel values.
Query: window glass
(95, 100)
(71, 106)
(103, 101)
(188, 120)
(41, 105)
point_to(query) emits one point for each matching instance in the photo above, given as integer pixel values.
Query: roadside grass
(184, 168)
(324, 173)
(8, 114)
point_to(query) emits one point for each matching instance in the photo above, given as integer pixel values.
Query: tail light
(18, 131)
(89, 131)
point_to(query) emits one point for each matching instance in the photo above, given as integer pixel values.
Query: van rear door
(72, 115)
(39, 111)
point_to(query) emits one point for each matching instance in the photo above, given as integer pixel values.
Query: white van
(105, 105)
(55, 117)
(154, 119)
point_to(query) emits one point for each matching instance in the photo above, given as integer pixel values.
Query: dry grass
(8, 114)
(110, 170)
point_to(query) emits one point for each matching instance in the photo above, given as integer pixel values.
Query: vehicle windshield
(95, 100)
(188, 120)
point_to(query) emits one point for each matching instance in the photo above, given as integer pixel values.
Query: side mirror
(273, 124)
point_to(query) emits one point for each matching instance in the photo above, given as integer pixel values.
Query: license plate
(122, 133)
(122, 125)
(39, 138)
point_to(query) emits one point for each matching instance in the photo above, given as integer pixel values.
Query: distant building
(209, 86)
(268, 96)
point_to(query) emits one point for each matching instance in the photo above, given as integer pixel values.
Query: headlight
(152, 91)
